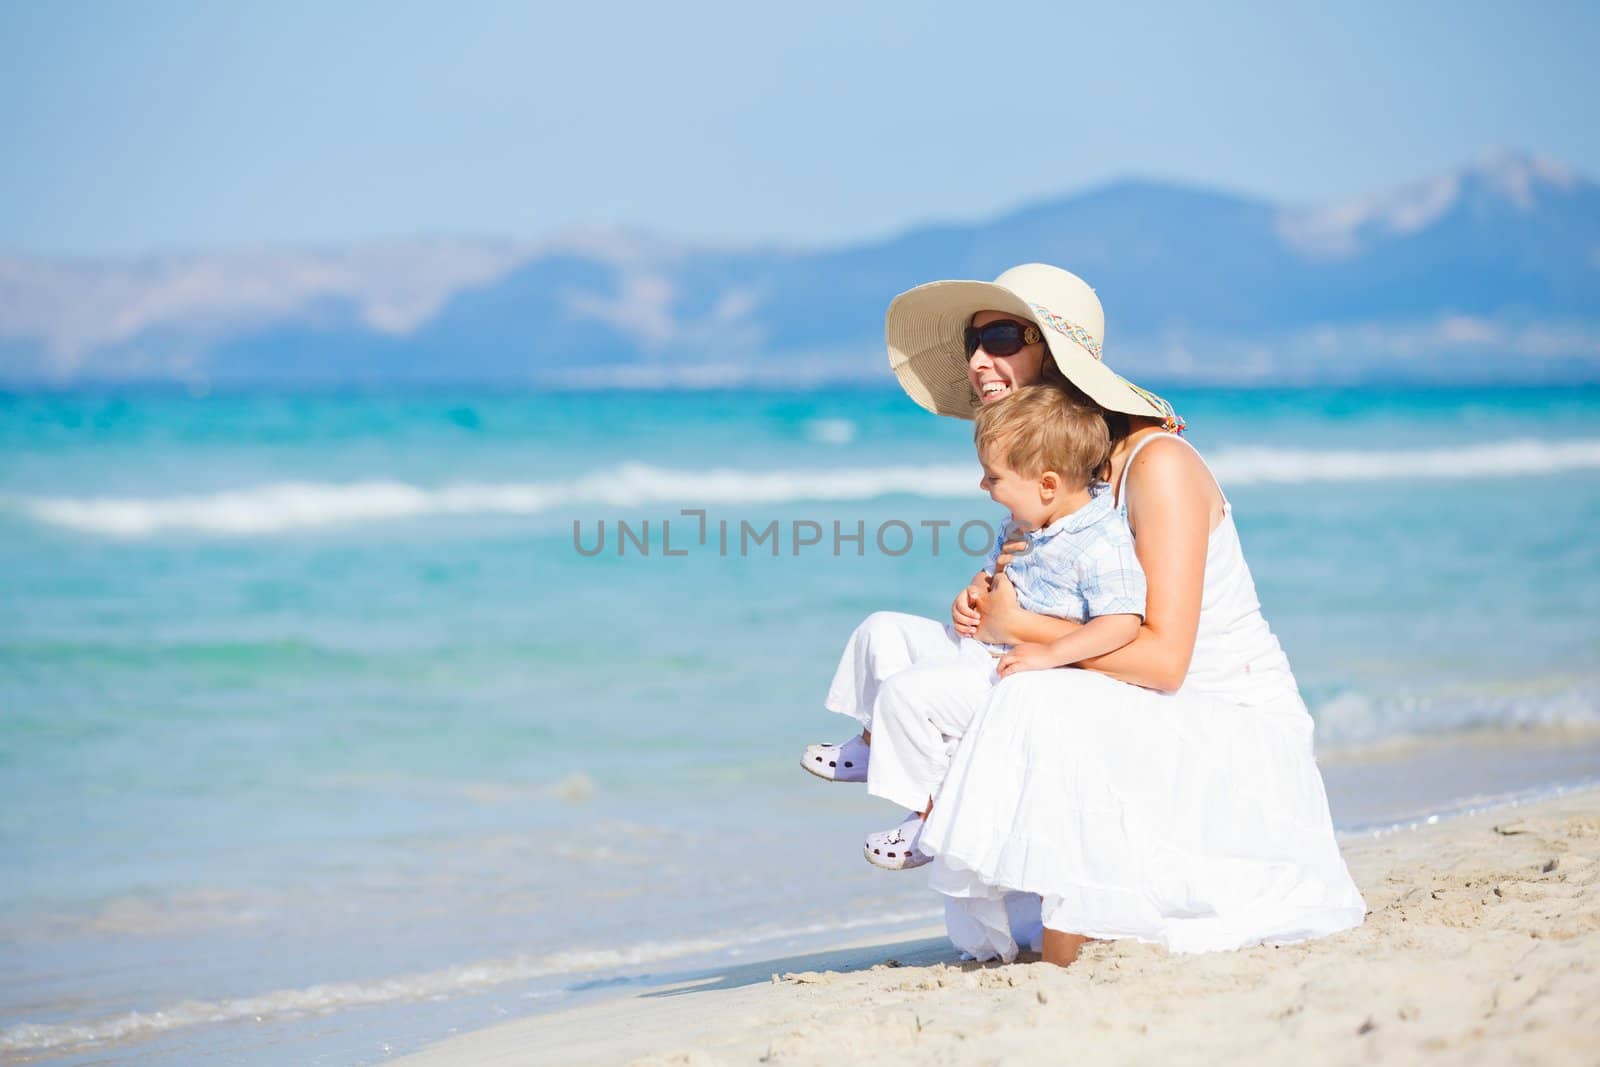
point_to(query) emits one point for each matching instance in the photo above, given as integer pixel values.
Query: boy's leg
(919, 715)
(886, 643)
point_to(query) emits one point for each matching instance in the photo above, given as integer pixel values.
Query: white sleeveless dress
(1195, 820)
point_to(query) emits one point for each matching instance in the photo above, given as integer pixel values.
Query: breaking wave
(287, 506)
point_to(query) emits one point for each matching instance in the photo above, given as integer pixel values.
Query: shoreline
(1482, 940)
(1397, 788)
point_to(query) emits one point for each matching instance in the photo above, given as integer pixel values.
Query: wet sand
(1482, 945)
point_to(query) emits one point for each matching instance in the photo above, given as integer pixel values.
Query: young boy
(915, 684)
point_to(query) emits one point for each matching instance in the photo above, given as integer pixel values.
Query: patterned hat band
(1171, 421)
(1069, 329)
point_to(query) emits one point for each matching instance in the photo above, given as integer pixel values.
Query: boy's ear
(1049, 485)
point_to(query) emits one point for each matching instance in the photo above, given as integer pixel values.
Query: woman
(1166, 792)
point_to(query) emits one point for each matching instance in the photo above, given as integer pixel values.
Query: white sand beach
(1482, 945)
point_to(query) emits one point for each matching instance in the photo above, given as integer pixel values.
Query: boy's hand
(1029, 656)
(964, 613)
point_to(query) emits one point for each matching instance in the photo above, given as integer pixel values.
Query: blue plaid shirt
(1080, 566)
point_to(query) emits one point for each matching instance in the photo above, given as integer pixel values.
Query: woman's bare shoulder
(1167, 456)
(1172, 474)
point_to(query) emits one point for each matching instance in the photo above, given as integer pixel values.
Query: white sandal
(844, 762)
(896, 850)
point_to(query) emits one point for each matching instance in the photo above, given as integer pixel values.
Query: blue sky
(140, 128)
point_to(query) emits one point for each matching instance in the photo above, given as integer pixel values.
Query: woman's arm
(1170, 498)
(1096, 637)
(1170, 502)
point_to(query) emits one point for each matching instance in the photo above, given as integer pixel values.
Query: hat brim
(924, 327)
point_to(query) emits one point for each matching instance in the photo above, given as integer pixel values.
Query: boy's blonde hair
(1041, 428)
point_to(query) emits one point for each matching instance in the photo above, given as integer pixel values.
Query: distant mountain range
(1489, 273)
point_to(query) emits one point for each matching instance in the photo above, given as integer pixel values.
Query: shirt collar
(1098, 506)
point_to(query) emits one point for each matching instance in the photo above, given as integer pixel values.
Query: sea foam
(1354, 721)
(447, 982)
(287, 506)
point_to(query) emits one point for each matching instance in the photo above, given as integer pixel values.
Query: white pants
(917, 685)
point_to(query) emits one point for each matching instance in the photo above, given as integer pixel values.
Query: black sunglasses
(1002, 337)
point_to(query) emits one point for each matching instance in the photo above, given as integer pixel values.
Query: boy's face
(1027, 498)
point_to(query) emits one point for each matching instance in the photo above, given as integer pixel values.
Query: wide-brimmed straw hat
(924, 329)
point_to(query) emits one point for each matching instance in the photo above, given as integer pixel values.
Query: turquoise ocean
(332, 723)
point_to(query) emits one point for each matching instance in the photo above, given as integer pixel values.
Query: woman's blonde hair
(1042, 428)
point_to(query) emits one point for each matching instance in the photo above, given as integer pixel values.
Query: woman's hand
(997, 607)
(1030, 656)
(1009, 551)
(965, 615)
(1006, 622)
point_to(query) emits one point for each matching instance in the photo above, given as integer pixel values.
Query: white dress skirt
(1195, 820)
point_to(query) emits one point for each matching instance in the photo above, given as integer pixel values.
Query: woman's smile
(993, 377)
